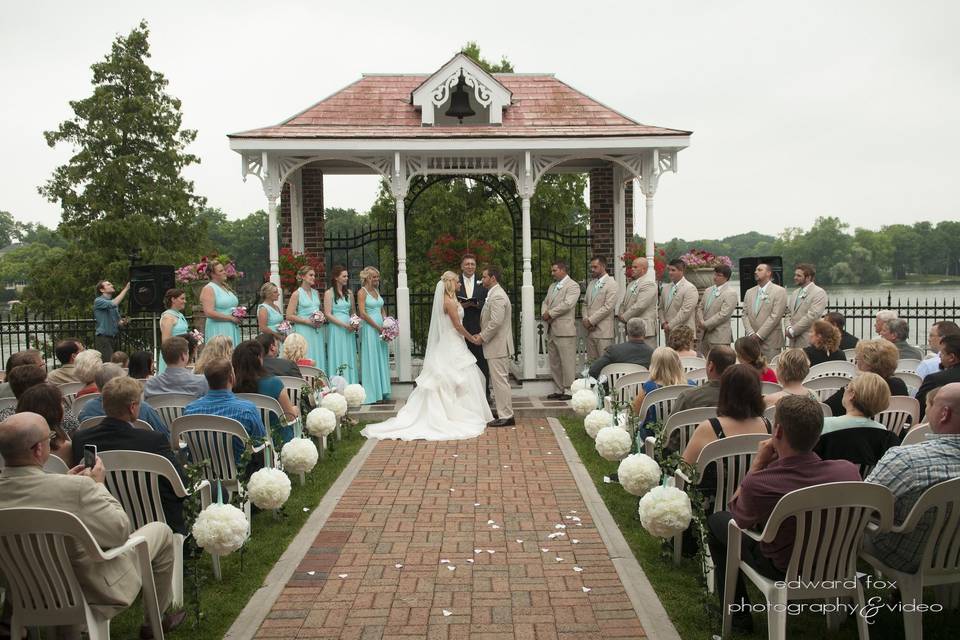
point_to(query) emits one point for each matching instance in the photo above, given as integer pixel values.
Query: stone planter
(701, 278)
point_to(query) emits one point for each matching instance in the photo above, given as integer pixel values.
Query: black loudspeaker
(748, 265)
(148, 283)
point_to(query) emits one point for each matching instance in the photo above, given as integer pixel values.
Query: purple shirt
(761, 490)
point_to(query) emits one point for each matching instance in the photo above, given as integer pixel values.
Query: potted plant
(700, 266)
(636, 250)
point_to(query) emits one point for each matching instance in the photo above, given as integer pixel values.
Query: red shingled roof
(379, 107)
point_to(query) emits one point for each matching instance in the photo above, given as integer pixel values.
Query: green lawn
(682, 593)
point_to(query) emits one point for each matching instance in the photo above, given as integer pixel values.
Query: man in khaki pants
(558, 311)
(598, 312)
(496, 336)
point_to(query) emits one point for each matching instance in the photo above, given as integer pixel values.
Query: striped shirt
(222, 402)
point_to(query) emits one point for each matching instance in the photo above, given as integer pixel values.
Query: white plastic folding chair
(851, 355)
(940, 557)
(916, 434)
(771, 411)
(8, 403)
(826, 386)
(617, 370)
(293, 386)
(911, 379)
(901, 411)
(170, 406)
(832, 369)
(692, 363)
(36, 549)
(628, 385)
(55, 465)
(269, 407)
(773, 361)
(69, 391)
(769, 388)
(908, 365)
(132, 477)
(81, 402)
(309, 373)
(662, 399)
(699, 376)
(682, 423)
(830, 521)
(94, 421)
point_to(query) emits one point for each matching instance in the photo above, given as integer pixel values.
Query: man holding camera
(106, 315)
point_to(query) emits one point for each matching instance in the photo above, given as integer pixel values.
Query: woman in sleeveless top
(792, 369)
(341, 334)
(268, 313)
(665, 371)
(218, 302)
(304, 302)
(172, 322)
(374, 352)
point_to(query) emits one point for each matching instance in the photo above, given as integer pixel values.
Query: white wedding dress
(449, 401)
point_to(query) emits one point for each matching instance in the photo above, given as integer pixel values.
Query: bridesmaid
(268, 313)
(172, 322)
(304, 301)
(341, 335)
(374, 352)
(218, 302)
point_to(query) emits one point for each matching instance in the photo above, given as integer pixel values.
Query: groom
(496, 336)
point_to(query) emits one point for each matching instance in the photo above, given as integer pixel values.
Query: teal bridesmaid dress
(224, 302)
(342, 343)
(374, 354)
(307, 303)
(274, 317)
(180, 327)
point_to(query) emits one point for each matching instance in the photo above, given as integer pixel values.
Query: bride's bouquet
(391, 329)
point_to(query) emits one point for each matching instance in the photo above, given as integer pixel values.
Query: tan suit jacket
(600, 306)
(562, 307)
(496, 324)
(682, 307)
(66, 373)
(767, 321)
(803, 313)
(715, 313)
(640, 301)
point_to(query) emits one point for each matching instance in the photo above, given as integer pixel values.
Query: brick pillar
(285, 233)
(312, 186)
(628, 205)
(601, 214)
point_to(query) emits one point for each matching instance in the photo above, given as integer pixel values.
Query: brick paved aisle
(473, 539)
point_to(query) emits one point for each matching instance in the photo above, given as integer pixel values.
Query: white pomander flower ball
(355, 394)
(638, 473)
(269, 488)
(220, 529)
(321, 422)
(584, 401)
(582, 383)
(596, 420)
(336, 403)
(613, 443)
(299, 455)
(665, 511)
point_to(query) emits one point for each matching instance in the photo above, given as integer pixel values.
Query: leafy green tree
(242, 239)
(346, 222)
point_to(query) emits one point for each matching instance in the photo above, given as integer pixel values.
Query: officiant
(472, 295)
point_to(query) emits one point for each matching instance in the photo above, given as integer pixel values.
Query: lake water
(858, 294)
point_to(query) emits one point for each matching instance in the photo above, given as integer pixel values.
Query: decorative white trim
(435, 90)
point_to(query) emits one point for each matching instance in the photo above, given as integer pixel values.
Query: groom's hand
(477, 339)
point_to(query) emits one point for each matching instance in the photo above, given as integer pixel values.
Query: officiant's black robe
(471, 322)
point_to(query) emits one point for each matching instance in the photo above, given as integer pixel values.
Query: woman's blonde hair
(367, 273)
(871, 393)
(87, 365)
(829, 335)
(665, 367)
(449, 279)
(266, 288)
(216, 348)
(304, 270)
(793, 366)
(681, 338)
(295, 347)
(878, 356)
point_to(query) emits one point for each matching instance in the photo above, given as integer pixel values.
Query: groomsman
(559, 311)
(598, 312)
(678, 300)
(806, 305)
(763, 309)
(715, 310)
(472, 296)
(640, 301)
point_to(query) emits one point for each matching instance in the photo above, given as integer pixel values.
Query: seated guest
(897, 331)
(220, 401)
(855, 436)
(94, 408)
(121, 402)
(749, 353)
(784, 463)
(633, 351)
(865, 396)
(847, 341)
(938, 330)
(29, 356)
(880, 321)
(66, 352)
(86, 367)
(109, 586)
(681, 340)
(949, 370)
(176, 378)
(665, 371)
(876, 356)
(216, 348)
(121, 358)
(719, 360)
(296, 350)
(271, 362)
(792, 369)
(252, 377)
(739, 411)
(141, 365)
(911, 470)
(27, 376)
(824, 344)
(46, 400)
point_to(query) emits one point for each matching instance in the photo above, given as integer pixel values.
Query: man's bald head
(19, 435)
(944, 414)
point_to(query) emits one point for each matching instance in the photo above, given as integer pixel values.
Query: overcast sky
(798, 109)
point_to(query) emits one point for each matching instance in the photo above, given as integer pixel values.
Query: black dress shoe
(502, 422)
(563, 396)
(554, 396)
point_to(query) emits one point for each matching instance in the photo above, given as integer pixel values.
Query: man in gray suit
(598, 312)
(715, 310)
(763, 309)
(634, 351)
(496, 336)
(806, 305)
(678, 300)
(640, 301)
(558, 311)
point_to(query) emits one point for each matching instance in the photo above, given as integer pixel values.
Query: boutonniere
(633, 287)
(559, 285)
(598, 285)
(763, 296)
(803, 294)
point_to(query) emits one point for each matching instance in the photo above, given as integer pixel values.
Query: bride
(449, 401)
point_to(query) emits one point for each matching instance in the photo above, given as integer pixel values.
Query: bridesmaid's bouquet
(284, 328)
(197, 336)
(239, 312)
(391, 329)
(317, 318)
(354, 322)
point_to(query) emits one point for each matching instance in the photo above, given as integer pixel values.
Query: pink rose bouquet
(391, 329)
(197, 336)
(317, 318)
(239, 312)
(284, 328)
(354, 322)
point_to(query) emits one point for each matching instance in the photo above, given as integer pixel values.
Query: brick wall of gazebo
(312, 188)
(601, 214)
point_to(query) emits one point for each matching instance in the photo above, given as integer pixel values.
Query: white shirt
(468, 282)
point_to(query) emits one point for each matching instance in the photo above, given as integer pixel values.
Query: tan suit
(599, 309)
(496, 330)
(715, 311)
(805, 307)
(561, 303)
(66, 373)
(640, 301)
(766, 317)
(679, 307)
(109, 586)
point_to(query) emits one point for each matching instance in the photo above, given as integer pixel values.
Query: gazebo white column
(619, 227)
(648, 185)
(270, 179)
(398, 188)
(528, 331)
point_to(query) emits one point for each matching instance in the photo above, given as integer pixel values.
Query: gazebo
(524, 126)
